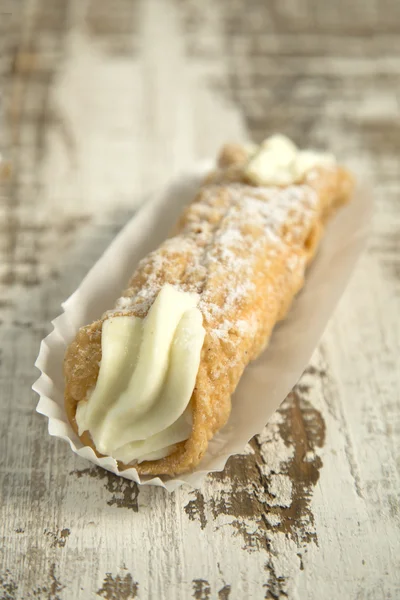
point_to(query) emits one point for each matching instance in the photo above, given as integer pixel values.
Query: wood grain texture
(99, 106)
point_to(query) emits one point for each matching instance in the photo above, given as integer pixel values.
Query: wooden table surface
(102, 102)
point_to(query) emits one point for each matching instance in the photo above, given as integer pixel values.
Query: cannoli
(150, 383)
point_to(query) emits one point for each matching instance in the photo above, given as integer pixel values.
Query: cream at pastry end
(278, 161)
(139, 409)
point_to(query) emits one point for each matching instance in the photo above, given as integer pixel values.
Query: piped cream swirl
(278, 161)
(139, 406)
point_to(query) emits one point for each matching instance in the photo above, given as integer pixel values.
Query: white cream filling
(278, 161)
(139, 408)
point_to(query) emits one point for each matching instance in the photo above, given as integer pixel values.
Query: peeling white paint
(120, 125)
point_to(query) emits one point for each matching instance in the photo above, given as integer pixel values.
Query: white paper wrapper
(265, 383)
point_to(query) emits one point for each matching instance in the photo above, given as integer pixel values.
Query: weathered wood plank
(101, 106)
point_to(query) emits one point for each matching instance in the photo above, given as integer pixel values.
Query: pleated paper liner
(265, 383)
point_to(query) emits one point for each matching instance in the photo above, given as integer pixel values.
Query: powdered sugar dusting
(225, 232)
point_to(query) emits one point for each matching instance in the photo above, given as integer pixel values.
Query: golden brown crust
(245, 287)
(232, 155)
